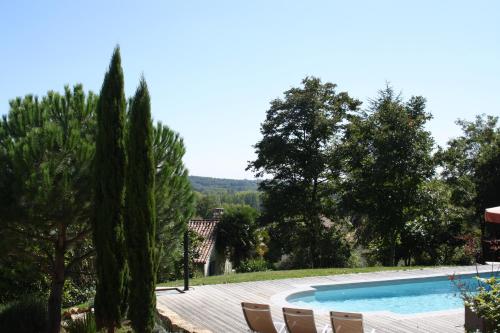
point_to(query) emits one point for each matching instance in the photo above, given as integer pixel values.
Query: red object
(492, 215)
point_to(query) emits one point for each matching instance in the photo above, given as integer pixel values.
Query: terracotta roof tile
(206, 229)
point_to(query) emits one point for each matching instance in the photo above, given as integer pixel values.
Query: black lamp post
(186, 260)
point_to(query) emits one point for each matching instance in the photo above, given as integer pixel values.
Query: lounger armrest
(326, 329)
(281, 327)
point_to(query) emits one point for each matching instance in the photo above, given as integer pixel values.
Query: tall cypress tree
(109, 194)
(140, 212)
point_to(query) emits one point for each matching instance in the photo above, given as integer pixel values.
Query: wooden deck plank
(217, 307)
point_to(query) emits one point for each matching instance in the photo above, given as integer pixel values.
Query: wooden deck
(217, 308)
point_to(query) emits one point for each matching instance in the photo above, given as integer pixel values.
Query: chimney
(217, 213)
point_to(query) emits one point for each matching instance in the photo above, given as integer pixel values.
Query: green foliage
(76, 292)
(465, 156)
(18, 278)
(177, 262)
(298, 152)
(209, 184)
(26, 315)
(109, 191)
(236, 233)
(46, 152)
(253, 265)
(388, 159)
(174, 200)
(334, 249)
(487, 174)
(207, 201)
(86, 324)
(434, 235)
(482, 299)
(140, 220)
(471, 165)
(486, 303)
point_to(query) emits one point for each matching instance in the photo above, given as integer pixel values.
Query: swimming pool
(399, 296)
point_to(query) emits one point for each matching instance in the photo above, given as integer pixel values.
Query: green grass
(276, 275)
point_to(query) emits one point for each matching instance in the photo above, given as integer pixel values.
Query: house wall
(218, 264)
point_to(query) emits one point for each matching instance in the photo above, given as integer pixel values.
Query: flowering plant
(484, 300)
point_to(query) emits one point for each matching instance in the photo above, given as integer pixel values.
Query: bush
(86, 324)
(27, 315)
(77, 293)
(253, 265)
(484, 301)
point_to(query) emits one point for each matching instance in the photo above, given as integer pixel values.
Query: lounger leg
(326, 329)
(282, 329)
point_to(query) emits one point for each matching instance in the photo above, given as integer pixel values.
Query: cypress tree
(109, 192)
(140, 212)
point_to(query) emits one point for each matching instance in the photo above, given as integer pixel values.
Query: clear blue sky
(213, 66)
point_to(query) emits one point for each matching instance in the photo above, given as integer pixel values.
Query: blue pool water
(403, 296)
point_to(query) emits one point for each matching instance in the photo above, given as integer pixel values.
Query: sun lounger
(301, 321)
(259, 320)
(346, 322)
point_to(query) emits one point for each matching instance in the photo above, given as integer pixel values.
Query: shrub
(27, 315)
(253, 265)
(77, 293)
(484, 301)
(86, 324)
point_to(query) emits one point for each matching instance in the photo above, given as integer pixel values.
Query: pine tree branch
(78, 259)
(70, 243)
(30, 234)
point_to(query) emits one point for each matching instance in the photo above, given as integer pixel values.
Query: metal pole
(186, 260)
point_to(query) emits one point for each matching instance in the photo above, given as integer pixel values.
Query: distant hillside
(207, 184)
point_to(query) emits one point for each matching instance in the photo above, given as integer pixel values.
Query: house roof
(207, 230)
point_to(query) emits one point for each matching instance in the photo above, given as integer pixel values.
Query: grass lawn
(276, 275)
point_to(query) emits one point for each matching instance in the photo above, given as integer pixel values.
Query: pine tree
(174, 198)
(140, 212)
(46, 152)
(109, 199)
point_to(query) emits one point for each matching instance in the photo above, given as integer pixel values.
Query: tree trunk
(313, 217)
(389, 254)
(56, 291)
(393, 252)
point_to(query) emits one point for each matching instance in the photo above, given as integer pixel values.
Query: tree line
(209, 184)
(339, 179)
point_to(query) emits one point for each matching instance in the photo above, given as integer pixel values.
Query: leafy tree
(139, 212)
(388, 154)
(175, 268)
(250, 198)
(109, 197)
(471, 165)
(237, 232)
(435, 234)
(300, 134)
(205, 203)
(46, 151)
(208, 200)
(487, 173)
(174, 198)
